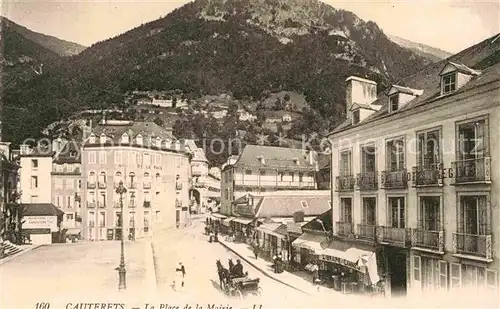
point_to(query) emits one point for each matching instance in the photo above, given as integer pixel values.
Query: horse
(222, 272)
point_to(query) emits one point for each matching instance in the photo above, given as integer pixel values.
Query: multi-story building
(416, 173)
(205, 186)
(10, 215)
(155, 170)
(35, 174)
(266, 169)
(67, 183)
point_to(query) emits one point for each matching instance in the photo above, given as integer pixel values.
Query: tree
(159, 121)
(287, 97)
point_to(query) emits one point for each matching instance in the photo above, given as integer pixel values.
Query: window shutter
(443, 274)
(417, 270)
(460, 216)
(491, 279)
(479, 142)
(456, 275)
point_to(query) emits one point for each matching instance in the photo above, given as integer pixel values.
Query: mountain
(242, 47)
(435, 54)
(58, 46)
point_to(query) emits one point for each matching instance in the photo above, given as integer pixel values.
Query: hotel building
(266, 169)
(417, 177)
(155, 170)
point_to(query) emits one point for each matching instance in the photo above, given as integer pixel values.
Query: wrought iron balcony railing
(428, 176)
(91, 205)
(473, 245)
(394, 179)
(345, 183)
(91, 185)
(147, 185)
(368, 181)
(178, 186)
(472, 170)
(344, 228)
(396, 236)
(102, 185)
(147, 204)
(431, 240)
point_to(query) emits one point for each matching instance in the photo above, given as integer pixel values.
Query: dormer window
(355, 116)
(138, 139)
(394, 102)
(125, 138)
(158, 142)
(448, 83)
(102, 138)
(92, 138)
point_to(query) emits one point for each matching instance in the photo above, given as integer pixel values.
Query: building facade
(10, 214)
(416, 174)
(266, 169)
(153, 167)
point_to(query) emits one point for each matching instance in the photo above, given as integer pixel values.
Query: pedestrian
(315, 271)
(180, 273)
(256, 251)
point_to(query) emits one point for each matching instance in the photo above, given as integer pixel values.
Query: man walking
(180, 273)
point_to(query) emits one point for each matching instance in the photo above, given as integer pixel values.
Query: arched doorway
(196, 201)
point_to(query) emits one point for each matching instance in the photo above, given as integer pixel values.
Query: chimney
(359, 90)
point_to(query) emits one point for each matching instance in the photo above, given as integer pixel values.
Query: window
(102, 157)
(158, 215)
(91, 196)
(281, 174)
(91, 177)
(79, 184)
(301, 176)
(34, 182)
(58, 201)
(395, 155)
(118, 219)
(147, 196)
(394, 102)
(138, 139)
(248, 172)
(429, 214)
(92, 157)
(92, 138)
(139, 158)
(102, 138)
(448, 83)
(304, 204)
(118, 157)
(146, 219)
(429, 149)
(34, 163)
(102, 177)
(473, 215)
(345, 163)
(147, 159)
(368, 160)
(158, 177)
(432, 272)
(131, 216)
(69, 216)
(125, 138)
(355, 116)
(397, 212)
(131, 176)
(118, 177)
(132, 199)
(346, 210)
(472, 140)
(292, 175)
(102, 199)
(69, 202)
(147, 178)
(34, 199)
(369, 211)
(262, 173)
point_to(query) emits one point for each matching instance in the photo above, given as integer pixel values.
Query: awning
(226, 221)
(244, 221)
(309, 241)
(73, 231)
(270, 229)
(218, 216)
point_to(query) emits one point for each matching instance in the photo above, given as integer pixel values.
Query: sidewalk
(300, 280)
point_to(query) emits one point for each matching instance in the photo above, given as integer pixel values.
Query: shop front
(305, 250)
(243, 229)
(42, 223)
(268, 239)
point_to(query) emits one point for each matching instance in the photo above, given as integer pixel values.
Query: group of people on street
(278, 264)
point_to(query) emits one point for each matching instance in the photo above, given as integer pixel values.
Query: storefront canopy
(270, 229)
(309, 241)
(73, 231)
(227, 220)
(217, 216)
(243, 220)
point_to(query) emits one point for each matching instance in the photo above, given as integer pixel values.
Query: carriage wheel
(239, 294)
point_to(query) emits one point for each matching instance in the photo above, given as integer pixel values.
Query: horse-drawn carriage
(236, 286)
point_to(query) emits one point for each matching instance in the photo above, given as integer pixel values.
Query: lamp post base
(122, 276)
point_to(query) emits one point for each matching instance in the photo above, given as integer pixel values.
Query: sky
(451, 25)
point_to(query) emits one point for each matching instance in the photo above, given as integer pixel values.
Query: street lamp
(122, 272)
(328, 238)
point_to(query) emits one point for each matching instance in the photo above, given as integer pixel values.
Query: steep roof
(41, 209)
(324, 161)
(326, 219)
(115, 130)
(274, 157)
(484, 57)
(70, 153)
(286, 206)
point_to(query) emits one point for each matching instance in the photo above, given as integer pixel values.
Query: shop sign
(340, 261)
(40, 222)
(35, 231)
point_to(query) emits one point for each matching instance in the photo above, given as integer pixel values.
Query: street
(85, 273)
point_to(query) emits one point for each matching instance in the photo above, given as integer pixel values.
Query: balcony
(366, 232)
(344, 229)
(146, 185)
(394, 179)
(131, 204)
(117, 204)
(132, 185)
(345, 183)
(91, 204)
(178, 203)
(102, 185)
(178, 186)
(91, 185)
(472, 245)
(476, 170)
(367, 181)
(428, 176)
(66, 171)
(147, 204)
(400, 237)
(276, 184)
(428, 240)
(101, 204)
